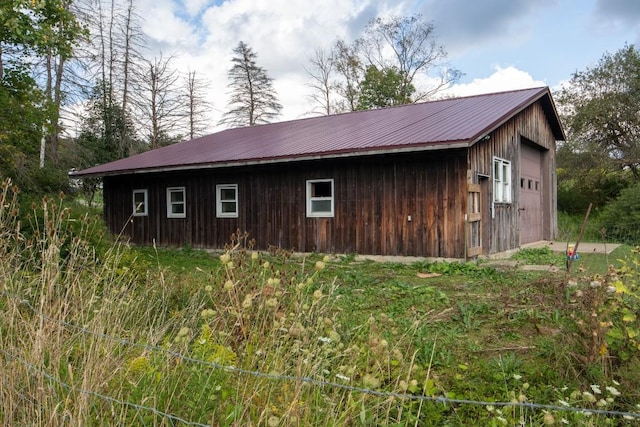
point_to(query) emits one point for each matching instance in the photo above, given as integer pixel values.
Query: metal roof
(446, 123)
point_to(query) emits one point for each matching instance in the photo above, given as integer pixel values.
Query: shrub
(621, 217)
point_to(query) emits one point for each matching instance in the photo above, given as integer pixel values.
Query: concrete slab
(583, 247)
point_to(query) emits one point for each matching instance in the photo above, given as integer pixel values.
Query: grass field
(151, 336)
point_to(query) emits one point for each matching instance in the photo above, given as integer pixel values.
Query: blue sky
(497, 44)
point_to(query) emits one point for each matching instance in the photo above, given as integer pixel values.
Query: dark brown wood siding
(500, 220)
(402, 204)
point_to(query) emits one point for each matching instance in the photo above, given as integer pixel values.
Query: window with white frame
(176, 202)
(501, 180)
(140, 201)
(320, 198)
(227, 201)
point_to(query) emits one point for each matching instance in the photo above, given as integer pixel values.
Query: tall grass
(91, 338)
(98, 334)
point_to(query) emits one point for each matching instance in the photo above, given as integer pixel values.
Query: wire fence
(270, 376)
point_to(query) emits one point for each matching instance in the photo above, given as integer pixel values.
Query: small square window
(140, 201)
(176, 202)
(227, 201)
(320, 198)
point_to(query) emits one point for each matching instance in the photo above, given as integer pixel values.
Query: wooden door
(530, 200)
(474, 221)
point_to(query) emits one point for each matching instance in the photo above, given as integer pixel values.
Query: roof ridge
(504, 92)
(437, 124)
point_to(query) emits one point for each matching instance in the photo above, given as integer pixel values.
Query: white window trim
(219, 212)
(501, 183)
(145, 203)
(170, 213)
(310, 200)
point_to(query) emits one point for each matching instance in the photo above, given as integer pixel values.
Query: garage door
(530, 207)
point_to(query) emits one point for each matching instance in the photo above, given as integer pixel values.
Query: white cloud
(194, 6)
(163, 26)
(201, 34)
(283, 33)
(502, 79)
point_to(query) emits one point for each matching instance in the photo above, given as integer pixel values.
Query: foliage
(36, 40)
(107, 133)
(151, 336)
(540, 256)
(579, 185)
(382, 67)
(19, 139)
(253, 99)
(600, 109)
(605, 309)
(383, 88)
(620, 218)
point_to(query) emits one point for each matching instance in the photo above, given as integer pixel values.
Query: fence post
(575, 248)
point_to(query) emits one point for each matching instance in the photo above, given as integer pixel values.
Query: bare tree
(321, 82)
(131, 59)
(253, 99)
(414, 49)
(196, 105)
(350, 72)
(161, 104)
(113, 58)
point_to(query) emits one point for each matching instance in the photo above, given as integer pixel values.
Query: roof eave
(448, 145)
(556, 126)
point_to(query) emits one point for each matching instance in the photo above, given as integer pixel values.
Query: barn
(453, 178)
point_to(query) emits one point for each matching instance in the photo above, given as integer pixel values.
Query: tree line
(85, 65)
(599, 164)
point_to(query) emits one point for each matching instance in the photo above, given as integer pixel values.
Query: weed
(246, 338)
(540, 256)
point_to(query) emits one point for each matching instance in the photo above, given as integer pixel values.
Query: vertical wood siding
(374, 197)
(501, 230)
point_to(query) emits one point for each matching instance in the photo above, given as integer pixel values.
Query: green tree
(600, 110)
(583, 178)
(36, 41)
(61, 31)
(383, 88)
(389, 57)
(253, 99)
(106, 134)
(100, 138)
(20, 116)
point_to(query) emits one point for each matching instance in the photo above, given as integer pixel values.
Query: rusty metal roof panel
(408, 127)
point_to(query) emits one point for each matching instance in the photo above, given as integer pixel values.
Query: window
(140, 198)
(501, 180)
(320, 198)
(176, 202)
(227, 201)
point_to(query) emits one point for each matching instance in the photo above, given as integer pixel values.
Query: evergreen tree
(253, 99)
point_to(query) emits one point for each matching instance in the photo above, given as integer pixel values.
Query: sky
(496, 44)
